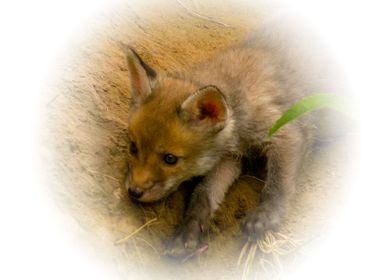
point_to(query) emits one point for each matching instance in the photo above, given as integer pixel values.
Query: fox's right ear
(142, 77)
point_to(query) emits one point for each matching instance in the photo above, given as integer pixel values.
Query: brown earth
(86, 146)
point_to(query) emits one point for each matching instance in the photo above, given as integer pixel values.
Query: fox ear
(142, 76)
(207, 108)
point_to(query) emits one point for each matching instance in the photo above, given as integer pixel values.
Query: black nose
(135, 192)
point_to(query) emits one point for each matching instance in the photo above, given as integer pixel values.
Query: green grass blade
(308, 104)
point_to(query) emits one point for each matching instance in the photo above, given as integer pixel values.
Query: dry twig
(196, 14)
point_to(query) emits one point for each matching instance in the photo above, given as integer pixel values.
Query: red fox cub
(201, 122)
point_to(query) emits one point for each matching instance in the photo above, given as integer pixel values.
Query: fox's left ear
(206, 108)
(142, 77)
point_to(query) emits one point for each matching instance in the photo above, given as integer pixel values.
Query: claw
(198, 252)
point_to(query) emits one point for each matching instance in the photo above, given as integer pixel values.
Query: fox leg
(284, 154)
(204, 201)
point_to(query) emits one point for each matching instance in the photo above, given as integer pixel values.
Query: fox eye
(170, 159)
(133, 148)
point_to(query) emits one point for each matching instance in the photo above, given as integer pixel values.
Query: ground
(85, 148)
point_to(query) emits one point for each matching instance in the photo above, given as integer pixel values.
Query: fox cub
(202, 121)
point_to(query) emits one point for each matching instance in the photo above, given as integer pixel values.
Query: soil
(85, 144)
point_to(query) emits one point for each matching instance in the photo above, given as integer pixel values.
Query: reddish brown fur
(210, 117)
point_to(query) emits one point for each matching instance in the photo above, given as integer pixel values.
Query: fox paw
(186, 241)
(259, 222)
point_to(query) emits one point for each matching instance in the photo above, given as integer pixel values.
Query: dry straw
(135, 231)
(271, 249)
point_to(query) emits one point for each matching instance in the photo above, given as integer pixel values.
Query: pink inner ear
(138, 84)
(136, 79)
(210, 110)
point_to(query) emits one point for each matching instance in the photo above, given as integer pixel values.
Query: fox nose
(135, 193)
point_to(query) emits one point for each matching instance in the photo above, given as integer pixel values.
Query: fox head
(177, 130)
